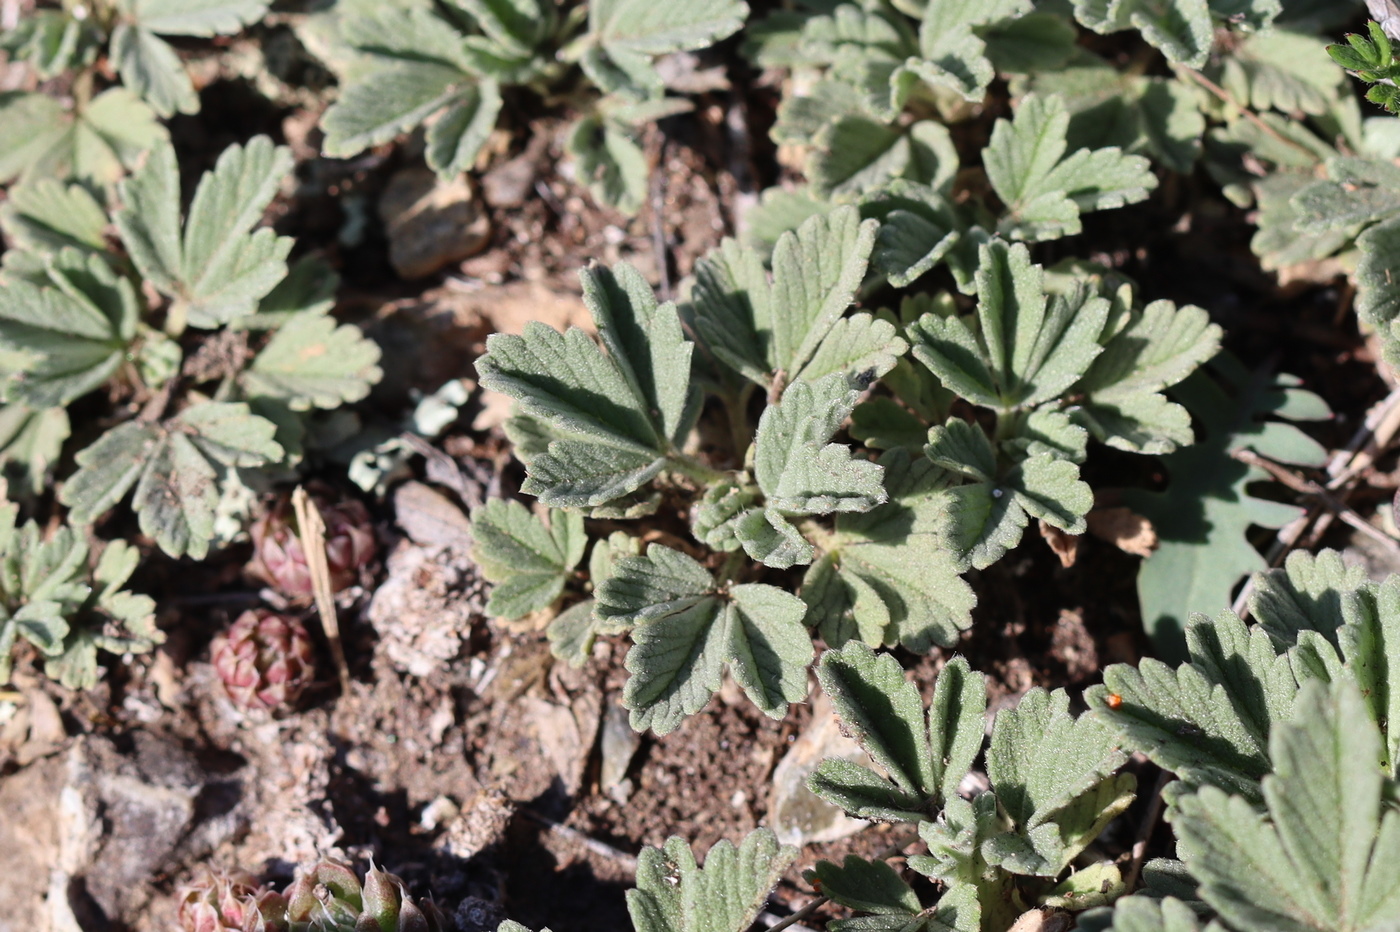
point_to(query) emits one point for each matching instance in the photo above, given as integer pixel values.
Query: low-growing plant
(675, 894)
(215, 353)
(984, 430)
(54, 599)
(452, 66)
(100, 133)
(1278, 732)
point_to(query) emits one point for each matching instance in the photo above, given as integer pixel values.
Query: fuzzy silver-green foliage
(1210, 719)
(603, 427)
(1054, 787)
(445, 66)
(674, 893)
(65, 609)
(74, 318)
(95, 141)
(1314, 847)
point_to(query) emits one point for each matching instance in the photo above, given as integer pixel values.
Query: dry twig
(312, 530)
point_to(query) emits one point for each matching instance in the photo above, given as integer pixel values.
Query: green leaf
(760, 330)
(1155, 348)
(887, 576)
(1202, 518)
(312, 363)
(923, 761)
(1025, 348)
(868, 886)
(630, 29)
(1323, 856)
(673, 894)
(69, 336)
(629, 408)
(1045, 191)
(31, 442)
(387, 102)
(175, 467)
(96, 146)
(801, 473)
(952, 54)
(1377, 293)
(217, 271)
(1054, 776)
(987, 515)
(46, 216)
(1209, 720)
(1180, 28)
(456, 137)
(528, 561)
(611, 163)
(687, 628)
(152, 70)
(196, 17)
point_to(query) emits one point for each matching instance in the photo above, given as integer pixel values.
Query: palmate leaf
(951, 53)
(1054, 775)
(1151, 349)
(49, 597)
(624, 35)
(96, 146)
(922, 759)
(1044, 190)
(686, 628)
(1209, 720)
(150, 66)
(214, 269)
(111, 619)
(175, 467)
(46, 216)
(1139, 114)
(1180, 28)
(414, 63)
(1202, 518)
(31, 442)
(70, 333)
(800, 473)
(1023, 348)
(622, 413)
(610, 162)
(887, 576)
(527, 561)
(1326, 854)
(987, 514)
(674, 894)
(760, 330)
(310, 362)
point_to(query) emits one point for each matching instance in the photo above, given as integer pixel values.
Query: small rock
(431, 519)
(426, 607)
(480, 825)
(431, 223)
(797, 816)
(509, 184)
(620, 743)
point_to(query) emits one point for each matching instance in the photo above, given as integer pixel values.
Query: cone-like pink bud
(264, 659)
(279, 560)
